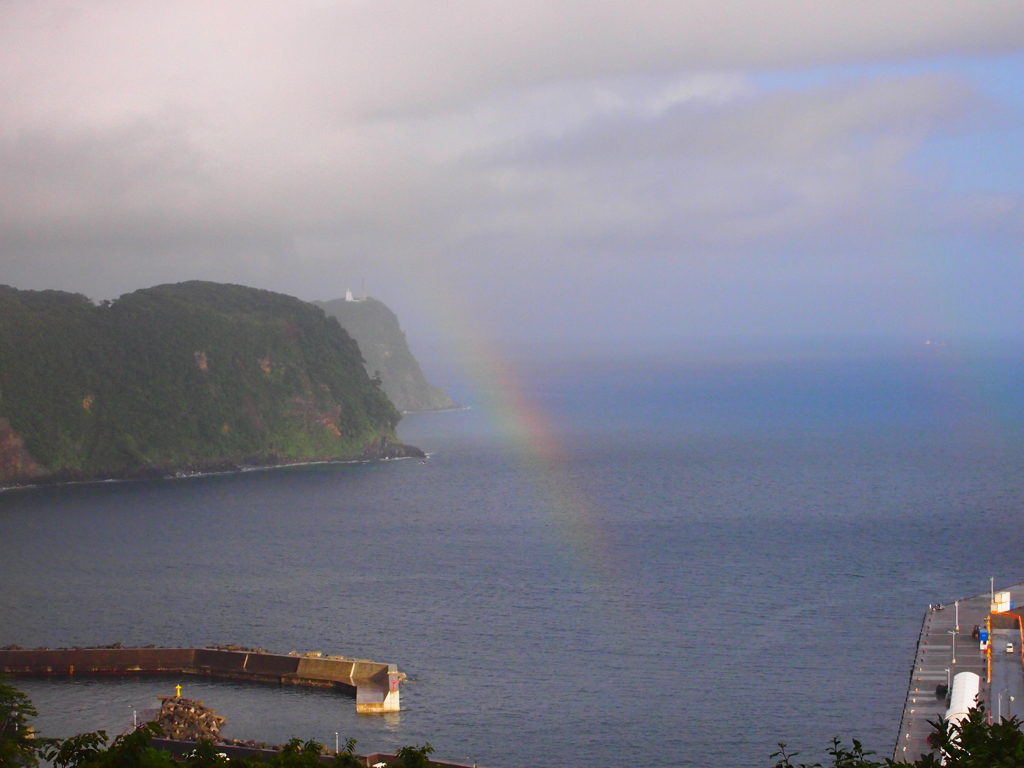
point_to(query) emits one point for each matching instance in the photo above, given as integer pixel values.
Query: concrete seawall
(374, 684)
(183, 748)
(946, 647)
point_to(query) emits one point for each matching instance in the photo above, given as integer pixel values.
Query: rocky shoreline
(377, 451)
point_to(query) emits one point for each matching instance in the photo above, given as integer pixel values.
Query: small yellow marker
(177, 691)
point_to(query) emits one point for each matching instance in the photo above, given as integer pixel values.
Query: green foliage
(206, 755)
(387, 353)
(298, 754)
(78, 750)
(973, 743)
(346, 758)
(18, 744)
(188, 376)
(89, 750)
(415, 757)
(843, 756)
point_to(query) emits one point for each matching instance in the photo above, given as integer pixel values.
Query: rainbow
(523, 424)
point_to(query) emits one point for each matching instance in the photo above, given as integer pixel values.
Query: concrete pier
(1002, 684)
(374, 684)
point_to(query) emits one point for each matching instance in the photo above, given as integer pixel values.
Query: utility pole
(988, 652)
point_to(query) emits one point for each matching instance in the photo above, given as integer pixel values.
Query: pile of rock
(188, 720)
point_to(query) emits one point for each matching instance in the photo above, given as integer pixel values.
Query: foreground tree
(971, 743)
(415, 757)
(346, 758)
(90, 750)
(18, 745)
(975, 743)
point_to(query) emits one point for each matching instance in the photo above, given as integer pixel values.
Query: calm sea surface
(636, 563)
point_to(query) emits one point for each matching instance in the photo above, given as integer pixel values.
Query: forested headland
(186, 377)
(387, 353)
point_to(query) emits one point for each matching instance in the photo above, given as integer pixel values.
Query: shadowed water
(712, 559)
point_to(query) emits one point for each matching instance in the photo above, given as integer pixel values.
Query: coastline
(387, 452)
(456, 407)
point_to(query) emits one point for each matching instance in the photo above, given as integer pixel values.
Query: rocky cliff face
(386, 351)
(187, 377)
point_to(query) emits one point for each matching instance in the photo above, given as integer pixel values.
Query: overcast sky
(653, 170)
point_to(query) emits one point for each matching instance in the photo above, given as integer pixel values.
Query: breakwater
(375, 685)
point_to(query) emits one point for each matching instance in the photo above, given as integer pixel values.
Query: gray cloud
(393, 56)
(495, 146)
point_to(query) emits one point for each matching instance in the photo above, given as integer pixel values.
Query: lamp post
(1009, 698)
(953, 633)
(956, 605)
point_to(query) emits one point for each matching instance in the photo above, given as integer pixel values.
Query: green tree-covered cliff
(192, 376)
(387, 353)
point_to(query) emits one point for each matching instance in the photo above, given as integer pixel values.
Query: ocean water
(644, 561)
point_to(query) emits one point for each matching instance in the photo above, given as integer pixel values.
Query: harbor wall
(374, 684)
